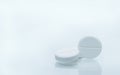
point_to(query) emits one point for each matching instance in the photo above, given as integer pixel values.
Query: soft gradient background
(32, 30)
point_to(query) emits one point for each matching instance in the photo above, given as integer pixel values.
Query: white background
(32, 30)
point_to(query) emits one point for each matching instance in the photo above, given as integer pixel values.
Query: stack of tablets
(88, 47)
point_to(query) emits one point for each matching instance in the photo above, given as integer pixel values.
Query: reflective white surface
(31, 31)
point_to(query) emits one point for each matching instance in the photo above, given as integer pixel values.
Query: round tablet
(89, 47)
(67, 55)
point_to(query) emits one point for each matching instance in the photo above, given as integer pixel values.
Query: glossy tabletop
(32, 30)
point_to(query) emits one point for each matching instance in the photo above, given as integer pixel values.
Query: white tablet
(67, 55)
(89, 47)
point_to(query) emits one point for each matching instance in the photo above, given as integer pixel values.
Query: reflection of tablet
(89, 67)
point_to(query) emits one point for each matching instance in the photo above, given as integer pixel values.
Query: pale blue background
(32, 30)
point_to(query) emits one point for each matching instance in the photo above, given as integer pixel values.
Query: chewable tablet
(66, 55)
(89, 47)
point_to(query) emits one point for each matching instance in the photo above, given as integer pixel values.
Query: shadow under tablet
(84, 67)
